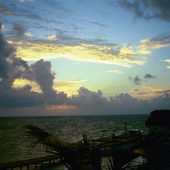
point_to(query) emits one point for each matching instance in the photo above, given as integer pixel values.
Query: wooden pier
(30, 164)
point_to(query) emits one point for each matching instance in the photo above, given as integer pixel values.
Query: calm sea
(15, 145)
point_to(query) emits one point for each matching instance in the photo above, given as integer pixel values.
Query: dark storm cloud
(12, 68)
(87, 102)
(148, 9)
(45, 78)
(22, 97)
(149, 76)
(87, 97)
(90, 102)
(5, 53)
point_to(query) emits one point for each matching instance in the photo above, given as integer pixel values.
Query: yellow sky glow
(148, 92)
(69, 87)
(52, 37)
(32, 51)
(19, 83)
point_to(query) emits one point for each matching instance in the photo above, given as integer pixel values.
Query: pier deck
(32, 163)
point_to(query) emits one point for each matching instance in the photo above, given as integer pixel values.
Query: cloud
(136, 80)
(20, 83)
(147, 45)
(90, 102)
(149, 92)
(149, 76)
(148, 9)
(18, 10)
(20, 94)
(88, 51)
(6, 10)
(167, 61)
(29, 10)
(45, 78)
(12, 68)
(22, 97)
(17, 77)
(18, 30)
(1, 27)
(69, 87)
(97, 23)
(25, 0)
(52, 37)
(114, 71)
(28, 34)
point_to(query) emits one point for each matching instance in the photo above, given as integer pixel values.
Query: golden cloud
(147, 45)
(107, 54)
(28, 34)
(167, 61)
(148, 92)
(52, 37)
(61, 107)
(114, 71)
(19, 83)
(69, 87)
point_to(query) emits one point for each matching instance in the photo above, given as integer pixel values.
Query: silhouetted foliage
(76, 156)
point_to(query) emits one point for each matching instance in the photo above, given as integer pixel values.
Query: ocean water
(15, 145)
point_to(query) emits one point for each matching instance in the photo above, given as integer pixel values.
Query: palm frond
(110, 164)
(53, 142)
(77, 157)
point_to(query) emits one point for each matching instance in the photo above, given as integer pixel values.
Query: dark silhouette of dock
(51, 160)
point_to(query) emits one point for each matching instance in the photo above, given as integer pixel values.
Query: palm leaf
(110, 164)
(53, 142)
(77, 157)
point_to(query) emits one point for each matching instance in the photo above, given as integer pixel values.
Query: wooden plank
(26, 163)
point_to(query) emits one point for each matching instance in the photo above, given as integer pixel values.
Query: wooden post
(28, 167)
(125, 129)
(35, 166)
(85, 140)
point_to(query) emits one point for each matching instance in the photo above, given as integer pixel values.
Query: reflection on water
(14, 145)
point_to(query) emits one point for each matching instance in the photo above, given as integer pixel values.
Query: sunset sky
(84, 56)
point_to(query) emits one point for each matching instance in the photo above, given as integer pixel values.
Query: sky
(84, 57)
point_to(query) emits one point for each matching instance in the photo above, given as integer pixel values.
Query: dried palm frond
(110, 164)
(77, 157)
(53, 142)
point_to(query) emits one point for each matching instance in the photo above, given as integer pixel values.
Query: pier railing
(32, 163)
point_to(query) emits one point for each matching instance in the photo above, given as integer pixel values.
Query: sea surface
(15, 145)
